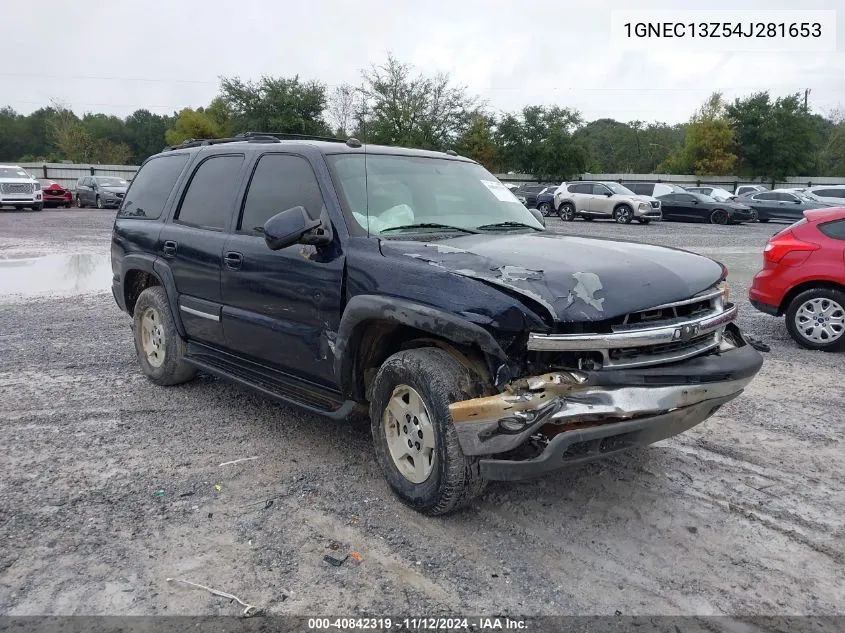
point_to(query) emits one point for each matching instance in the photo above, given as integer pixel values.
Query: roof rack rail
(292, 137)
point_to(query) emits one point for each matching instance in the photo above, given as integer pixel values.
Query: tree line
(756, 136)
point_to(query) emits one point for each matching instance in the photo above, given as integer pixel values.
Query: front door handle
(169, 248)
(233, 260)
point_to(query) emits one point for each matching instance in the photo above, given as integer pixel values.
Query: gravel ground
(113, 485)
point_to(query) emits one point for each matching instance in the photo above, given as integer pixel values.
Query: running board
(269, 381)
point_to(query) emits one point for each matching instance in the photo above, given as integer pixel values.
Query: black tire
(643, 220)
(763, 221)
(719, 216)
(173, 370)
(99, 202)
(67, 205)
(567, 212)
(822, 295)
(545, 208)
(79, 204)
(38, 207)
(439, 379)
(623, 214)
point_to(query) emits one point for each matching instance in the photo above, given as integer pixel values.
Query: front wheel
(719, 216)
(416, 444)
(644, 220)
(38, 207)
(79, 204)
(100, 203)
(545, 208)
(160, 349)
(623, 214)
(567, 212)
(815, 319)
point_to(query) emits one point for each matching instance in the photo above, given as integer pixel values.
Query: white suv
(18, 189)
(605, 199)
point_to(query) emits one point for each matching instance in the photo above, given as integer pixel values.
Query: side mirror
(536, 213)
(294, 225)
(608, 194)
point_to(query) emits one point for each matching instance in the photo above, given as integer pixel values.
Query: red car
(54, 195)
(803, 277)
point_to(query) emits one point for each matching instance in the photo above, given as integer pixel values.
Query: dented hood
(574, 278)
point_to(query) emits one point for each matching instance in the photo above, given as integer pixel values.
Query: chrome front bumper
(574, 401)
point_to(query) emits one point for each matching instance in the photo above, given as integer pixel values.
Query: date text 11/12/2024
(417, 624)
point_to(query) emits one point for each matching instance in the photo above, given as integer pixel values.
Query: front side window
(616, 188)
(386, 192)
(766, 196)
(279, 182)
(210, 196)
(151, 187)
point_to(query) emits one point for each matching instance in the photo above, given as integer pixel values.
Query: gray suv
(103, 192)
(605, 199)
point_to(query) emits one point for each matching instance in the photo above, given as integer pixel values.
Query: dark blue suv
(413, 287)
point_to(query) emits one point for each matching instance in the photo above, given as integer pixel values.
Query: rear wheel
(415, 440)
(160, 349)
(79, 203)
(567, 211)
(545, 208)
(37, 207)
(623, 214)
(719, 216)
(815, 319)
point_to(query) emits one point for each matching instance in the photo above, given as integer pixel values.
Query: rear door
(767, 205)
(669, 207)
(85, 192)
(687, 207)
(601, 204)
(282, 307)
(192, 243)
(790, 206)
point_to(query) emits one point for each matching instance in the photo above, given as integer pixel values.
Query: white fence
(66, 174)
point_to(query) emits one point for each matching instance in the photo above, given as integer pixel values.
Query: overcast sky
(116, 56)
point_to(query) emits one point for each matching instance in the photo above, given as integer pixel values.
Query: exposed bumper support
(602, 403)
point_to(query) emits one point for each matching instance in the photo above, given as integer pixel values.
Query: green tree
(414, 110)
(192, 124)
(145, 133)
(540, 141)
(272, 104)
(477, 141)
(774, 138)
(709, 143)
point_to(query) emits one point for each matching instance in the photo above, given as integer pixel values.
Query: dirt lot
(112, 485)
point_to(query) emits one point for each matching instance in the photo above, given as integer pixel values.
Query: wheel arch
(807, 285)
(373, 328)
(140, 272)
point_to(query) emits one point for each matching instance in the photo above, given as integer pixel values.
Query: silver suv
(605, 199)
(19, 189)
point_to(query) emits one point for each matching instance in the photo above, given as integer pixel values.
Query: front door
(600, 202)
(282, 307)
(767, 205)
(192, 244)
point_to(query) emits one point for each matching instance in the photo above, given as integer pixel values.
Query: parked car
(796, 190)
(803, 279)
(832, 194)
(54, 195)
(605, 199)
(717, 193)
(691, 206)
(746, 189)
(414, 286)
(103, 192)
(545, 202)
(19, 189)
(530, 193)
(654, 189)
(779, 205)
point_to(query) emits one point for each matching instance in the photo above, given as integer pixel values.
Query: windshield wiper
(427, 225)
(508, 225)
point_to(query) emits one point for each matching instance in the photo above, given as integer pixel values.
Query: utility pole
(807, 92)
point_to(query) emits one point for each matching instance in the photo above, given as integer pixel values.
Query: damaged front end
(654, 374)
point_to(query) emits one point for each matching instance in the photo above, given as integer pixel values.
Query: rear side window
(208, 202)
(835, 229)
(766, 196)
(830, 193)
(151, 187)
(279, 182)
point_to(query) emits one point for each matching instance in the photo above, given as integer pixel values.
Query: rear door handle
(233, 260)
(169, 248)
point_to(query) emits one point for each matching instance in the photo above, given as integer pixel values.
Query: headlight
(36, 187)
(645, 206)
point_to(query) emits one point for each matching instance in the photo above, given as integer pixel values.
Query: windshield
(615, 187)
(13, 172)
(110, 182)
(404, 191)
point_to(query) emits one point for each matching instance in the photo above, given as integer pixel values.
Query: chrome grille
(17, 187)
(666, 333)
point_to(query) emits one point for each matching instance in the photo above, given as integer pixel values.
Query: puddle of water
(55, 274)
